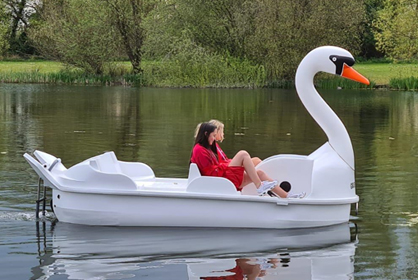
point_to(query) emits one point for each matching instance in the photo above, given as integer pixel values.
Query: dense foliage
(265, 38)
(127, 17)
(75, 32)
(4, 43)
(273, 34)
(397, 29)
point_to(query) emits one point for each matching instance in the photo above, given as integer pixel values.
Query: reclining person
(240, 170)
(222, 157)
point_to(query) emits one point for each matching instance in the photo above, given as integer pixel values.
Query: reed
(409, 84)
(282, 84)
(200, 70)
(333, 82)
(210, 71)
(214, 72)
(114, 75)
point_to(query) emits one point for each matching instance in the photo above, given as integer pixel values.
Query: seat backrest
(193, 173)
(108, 163)
(197, 183)
(212, 185)
(295, 169)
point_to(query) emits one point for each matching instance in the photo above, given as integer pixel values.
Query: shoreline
(383, 76)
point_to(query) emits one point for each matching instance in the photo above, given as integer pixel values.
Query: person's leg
(277, 189)
(256, 161)
(247, 180)
(242, 158)
(263, 177)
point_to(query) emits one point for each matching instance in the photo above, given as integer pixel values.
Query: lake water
(156, 126)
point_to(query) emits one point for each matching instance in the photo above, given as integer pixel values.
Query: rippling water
(156, 126)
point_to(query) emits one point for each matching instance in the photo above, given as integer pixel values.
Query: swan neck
(323, 114)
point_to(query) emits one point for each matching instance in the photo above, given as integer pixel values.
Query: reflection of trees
(156, 126)
(257, 117)
(18, 132)
(386, 163)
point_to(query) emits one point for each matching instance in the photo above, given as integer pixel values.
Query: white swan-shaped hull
(104, 191)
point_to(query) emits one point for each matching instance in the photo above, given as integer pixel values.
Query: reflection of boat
(133, 241)
(84, 252)
(104, 191)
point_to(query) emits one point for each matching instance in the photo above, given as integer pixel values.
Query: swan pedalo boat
(105, 191)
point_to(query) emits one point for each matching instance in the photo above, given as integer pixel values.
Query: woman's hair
(196, 130)
(219, 126)
(203, 134)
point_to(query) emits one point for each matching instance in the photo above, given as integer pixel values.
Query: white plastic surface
(205, 184)
(306, 258)
(297, 170)
(214, 185)
(193, 172)
(318, 61)
(105, 191)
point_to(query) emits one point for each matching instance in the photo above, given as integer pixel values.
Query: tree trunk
(129, 26)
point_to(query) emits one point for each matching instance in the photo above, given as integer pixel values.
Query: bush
(410, 83)
(190, 65)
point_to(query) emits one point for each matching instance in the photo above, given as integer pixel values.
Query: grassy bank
(214, 73)
(219, 73)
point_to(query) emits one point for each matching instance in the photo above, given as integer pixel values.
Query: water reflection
(83, 252)
(156, 126)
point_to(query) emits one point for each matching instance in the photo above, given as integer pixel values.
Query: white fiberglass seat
(108, 163)
(208, 184)
(294, 169)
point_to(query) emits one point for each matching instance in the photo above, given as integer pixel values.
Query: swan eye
(339, 62)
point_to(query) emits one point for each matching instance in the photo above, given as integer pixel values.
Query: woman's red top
(208, 164)
(221, 155)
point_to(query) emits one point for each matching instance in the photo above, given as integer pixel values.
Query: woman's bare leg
(246, 180)
(242, 158)
(277, 189)
(263, 177)
(256, 161)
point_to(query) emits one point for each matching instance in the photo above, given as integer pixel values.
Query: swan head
(333, 60)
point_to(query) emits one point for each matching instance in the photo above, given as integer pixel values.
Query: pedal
(272, 194)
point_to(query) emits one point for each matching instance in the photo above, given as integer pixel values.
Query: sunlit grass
(40, 66)
(212, 73)
(382, 73)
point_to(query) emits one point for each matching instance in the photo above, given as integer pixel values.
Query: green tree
(275, 34)
(220, 26)
(286, 31)
(4, 29)
(20, 13)
(368, 41)
(396, 29)
(75, 32)
(127, 17)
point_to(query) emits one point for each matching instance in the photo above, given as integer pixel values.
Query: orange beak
(352, 74)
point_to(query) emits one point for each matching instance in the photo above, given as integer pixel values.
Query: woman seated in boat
(219, 139)
(240, 170)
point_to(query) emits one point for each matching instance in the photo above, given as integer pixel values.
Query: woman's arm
(208, 165)
(223, 158)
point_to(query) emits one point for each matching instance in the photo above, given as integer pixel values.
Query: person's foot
(265, 187)
(296, 195)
